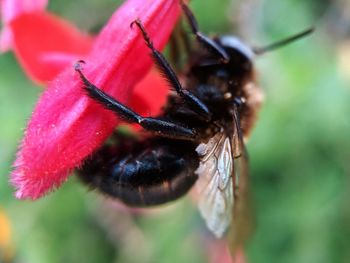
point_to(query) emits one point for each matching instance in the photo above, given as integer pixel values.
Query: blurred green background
(299, 151)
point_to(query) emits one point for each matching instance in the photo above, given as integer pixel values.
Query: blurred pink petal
(220, 253)
(66, 125)
(45, 44)
(150, 94)
(9, 10)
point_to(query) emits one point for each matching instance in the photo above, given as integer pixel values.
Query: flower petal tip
(31, 184)
(29, 187)
(24, 188)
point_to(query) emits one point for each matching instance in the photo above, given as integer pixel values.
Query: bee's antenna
(283, 42)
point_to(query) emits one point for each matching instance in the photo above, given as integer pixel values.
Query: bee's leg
(205, 41)
(194, 103)
(158, 126)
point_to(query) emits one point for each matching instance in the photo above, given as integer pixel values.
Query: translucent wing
(242, 224)
(215, 183)
(222, 170)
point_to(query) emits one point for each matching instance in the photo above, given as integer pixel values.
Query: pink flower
(219, 252)
(45, 44)
(67, 126)
(10, 9)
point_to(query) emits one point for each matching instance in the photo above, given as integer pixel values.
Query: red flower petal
(66, 125)
(149, 95)
(220, 253)
(9, 10)
(45, 44)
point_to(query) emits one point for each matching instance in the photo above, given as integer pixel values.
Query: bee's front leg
(192, 101)
(158, 126)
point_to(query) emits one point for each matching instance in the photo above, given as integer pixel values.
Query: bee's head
(241, 56)
(235, 47)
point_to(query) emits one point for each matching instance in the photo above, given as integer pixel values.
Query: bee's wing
(222, 181)
(215, 183)
(242, 224)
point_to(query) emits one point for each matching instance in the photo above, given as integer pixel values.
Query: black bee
(198, 137)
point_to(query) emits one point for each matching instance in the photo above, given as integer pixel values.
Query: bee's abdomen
(149, 173)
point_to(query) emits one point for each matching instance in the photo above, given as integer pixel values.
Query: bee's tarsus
(195, 104)
(78, 66)
(136, 21)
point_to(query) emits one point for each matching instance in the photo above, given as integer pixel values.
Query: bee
(197, 139)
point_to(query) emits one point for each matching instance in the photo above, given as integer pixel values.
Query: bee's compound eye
(235, 44)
